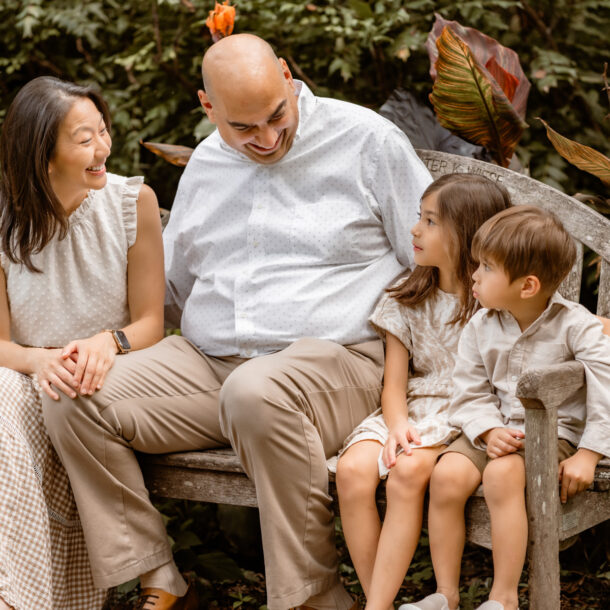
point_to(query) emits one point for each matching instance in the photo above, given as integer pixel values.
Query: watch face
(122, 340)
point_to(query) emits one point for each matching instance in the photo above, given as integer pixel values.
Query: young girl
(421, 319)
(80, 252)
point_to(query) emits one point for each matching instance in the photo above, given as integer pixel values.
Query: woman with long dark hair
(81, 282)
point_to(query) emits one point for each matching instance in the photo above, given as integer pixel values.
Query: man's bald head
(241, 62)
(250, 97)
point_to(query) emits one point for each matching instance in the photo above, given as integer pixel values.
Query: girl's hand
(401, 435)
(94, 357)
(502, 441)
(50, 367)
(577, 472)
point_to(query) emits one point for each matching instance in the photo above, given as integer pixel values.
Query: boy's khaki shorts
(480, 459)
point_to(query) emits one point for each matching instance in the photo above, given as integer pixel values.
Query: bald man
(289, 221)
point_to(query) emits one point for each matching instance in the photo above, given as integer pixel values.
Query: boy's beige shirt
(493, 353)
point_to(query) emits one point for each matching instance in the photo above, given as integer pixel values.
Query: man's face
(261, 127)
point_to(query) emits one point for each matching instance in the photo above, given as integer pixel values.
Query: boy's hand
(502, 441)
(577, 472)
(401, 435)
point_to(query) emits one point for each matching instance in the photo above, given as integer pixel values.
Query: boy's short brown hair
(527, 240)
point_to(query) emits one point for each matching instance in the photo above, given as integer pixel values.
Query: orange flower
(220, 21)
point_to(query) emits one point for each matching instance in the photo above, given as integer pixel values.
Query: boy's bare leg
(504, 487)
(405, 491)
(357, 480)
(453, 481)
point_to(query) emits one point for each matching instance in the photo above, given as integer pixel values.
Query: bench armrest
(541, 391)
(547, 387)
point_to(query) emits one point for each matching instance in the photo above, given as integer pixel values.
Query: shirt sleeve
(591, 347)
(398, 181)
(178, 279)
(388, 317)
(475, 408)
(131, 192)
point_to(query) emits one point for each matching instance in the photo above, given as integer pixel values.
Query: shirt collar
(306, 104)
(556, 301)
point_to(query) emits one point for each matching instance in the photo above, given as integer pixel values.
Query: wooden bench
(216, 475)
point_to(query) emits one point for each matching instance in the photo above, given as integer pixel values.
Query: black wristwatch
(120, 338)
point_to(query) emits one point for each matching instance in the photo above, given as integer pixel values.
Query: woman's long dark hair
(465, 202)
(30, 212)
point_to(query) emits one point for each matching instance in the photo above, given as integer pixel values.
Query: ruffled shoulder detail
(390, 316)
(129, 201)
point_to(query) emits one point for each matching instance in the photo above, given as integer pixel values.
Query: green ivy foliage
(145, 55)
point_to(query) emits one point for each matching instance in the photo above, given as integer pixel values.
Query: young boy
(524, 253)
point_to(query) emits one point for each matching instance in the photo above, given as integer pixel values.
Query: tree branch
(156, 30)
(299, 72)
(606, 88)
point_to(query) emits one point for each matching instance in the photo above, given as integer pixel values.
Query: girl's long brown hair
(465, 202)
(30, 212)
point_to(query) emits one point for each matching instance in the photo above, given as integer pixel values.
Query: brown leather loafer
(157, 599)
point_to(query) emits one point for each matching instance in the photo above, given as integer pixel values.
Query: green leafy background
(145, 55)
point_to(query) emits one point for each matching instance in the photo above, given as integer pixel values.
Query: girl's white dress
(82, 289)
(432, 345)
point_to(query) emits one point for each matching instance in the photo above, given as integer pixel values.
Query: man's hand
(94, 358)
(577, 472)
(401, 435)
(502, 441)
(51, 368)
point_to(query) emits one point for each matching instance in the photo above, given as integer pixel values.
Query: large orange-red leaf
(584, 157)
(480, 91)
(488, 53)
(174, 154)
(508, 83)
(469, 102)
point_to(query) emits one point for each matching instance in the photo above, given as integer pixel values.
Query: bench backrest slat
(570, 287)
(586, 226)
(603, 297)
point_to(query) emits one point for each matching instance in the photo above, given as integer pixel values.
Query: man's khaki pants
(283, 413)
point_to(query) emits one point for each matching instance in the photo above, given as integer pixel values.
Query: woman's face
(78, 162)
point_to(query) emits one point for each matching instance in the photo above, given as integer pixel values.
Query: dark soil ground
(230, 575)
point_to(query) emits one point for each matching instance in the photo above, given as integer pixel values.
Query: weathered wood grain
(603, 297)
(570, 287)
(548, 387)
(542, 497)
(584, 511)
(172, 481)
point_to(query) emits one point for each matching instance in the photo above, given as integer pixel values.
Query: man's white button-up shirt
(258, 256)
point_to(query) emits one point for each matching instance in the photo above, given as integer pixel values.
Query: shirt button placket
(244, 323)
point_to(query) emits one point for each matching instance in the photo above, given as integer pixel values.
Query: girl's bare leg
(357, 480)
(504, 487)
(405, 491)
(453, 481)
